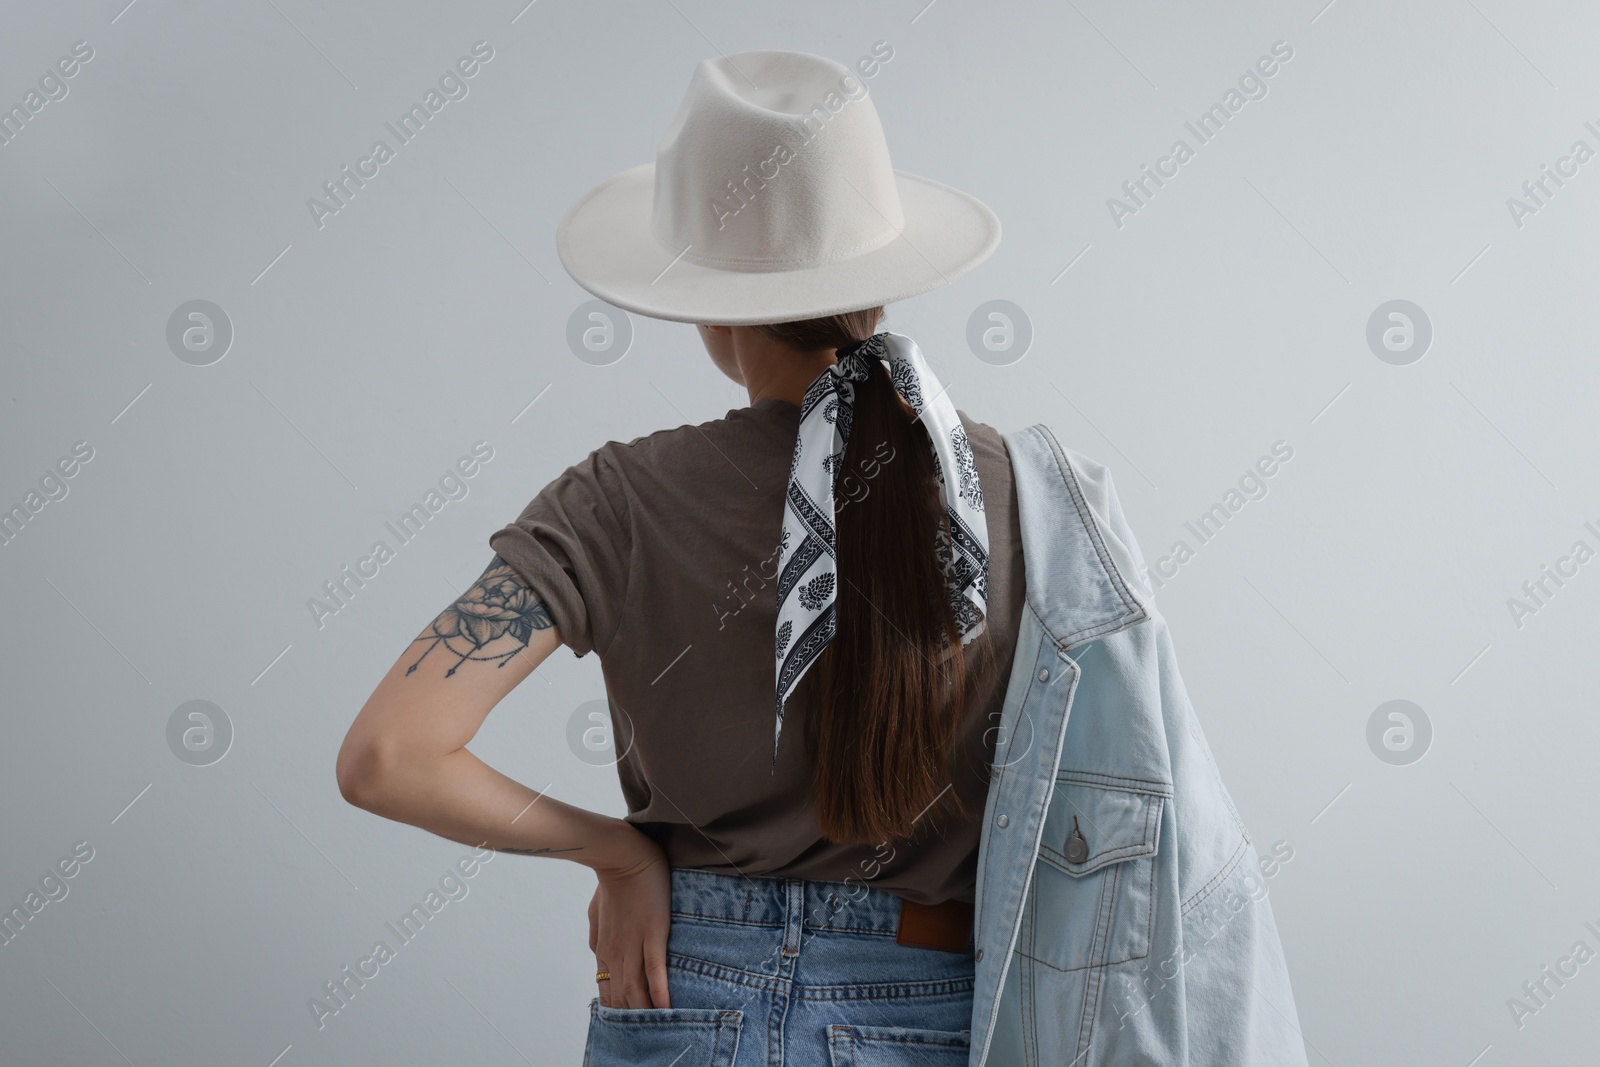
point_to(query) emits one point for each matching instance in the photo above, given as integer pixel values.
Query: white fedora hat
(771, 199)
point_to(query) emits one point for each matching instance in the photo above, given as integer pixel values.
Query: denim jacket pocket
(1091, 902)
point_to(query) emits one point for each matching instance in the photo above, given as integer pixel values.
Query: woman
(842, 557)
(772, 833)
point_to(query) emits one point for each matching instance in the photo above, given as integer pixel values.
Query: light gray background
(1228, 314)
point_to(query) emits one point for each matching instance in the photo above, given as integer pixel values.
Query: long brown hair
(887, 694)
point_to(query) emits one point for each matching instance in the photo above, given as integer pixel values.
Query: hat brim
(606, 244)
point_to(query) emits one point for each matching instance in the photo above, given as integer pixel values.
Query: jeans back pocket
(657, 1037)
(897, 1046)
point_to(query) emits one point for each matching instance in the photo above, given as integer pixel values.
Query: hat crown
(774, 161)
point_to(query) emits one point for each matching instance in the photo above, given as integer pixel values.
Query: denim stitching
(942, 987)
(1108, 911)
(726, 919)
(1108, 962)
(781, 985)
(871, 931)
(733, 1052)
(1136, 612)
(1086, 1019)
(1114, 781)
(722, 1019)
(847, 1030)
(1028, 882)
(874, 931)
(1000, 775)
(1026, 991)
(1094, 981)
(1102, 860)
(1150, 916)
(721, 971)
(1106, 558)
(1217, 879)
(1145, 846)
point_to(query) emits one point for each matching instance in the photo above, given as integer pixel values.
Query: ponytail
(888, 694)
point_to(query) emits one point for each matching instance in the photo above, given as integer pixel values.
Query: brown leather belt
(946, 926)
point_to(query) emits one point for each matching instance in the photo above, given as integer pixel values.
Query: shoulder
(712, 449)
(671, 439)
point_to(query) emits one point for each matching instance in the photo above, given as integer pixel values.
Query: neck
(772, 369)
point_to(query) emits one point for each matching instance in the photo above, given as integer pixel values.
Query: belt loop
(795, 915)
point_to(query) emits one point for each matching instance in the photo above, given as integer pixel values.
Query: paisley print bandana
(807, 574)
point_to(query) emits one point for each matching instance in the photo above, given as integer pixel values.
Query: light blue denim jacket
(1121, 911)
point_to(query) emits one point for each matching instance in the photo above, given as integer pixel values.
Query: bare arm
(405, 756)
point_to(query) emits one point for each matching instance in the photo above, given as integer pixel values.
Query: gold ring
(602, 976)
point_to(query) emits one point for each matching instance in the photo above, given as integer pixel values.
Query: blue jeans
(786, 972)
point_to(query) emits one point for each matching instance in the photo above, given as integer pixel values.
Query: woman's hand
(628, 921)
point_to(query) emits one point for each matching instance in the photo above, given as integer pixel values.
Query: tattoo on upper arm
(489, 623)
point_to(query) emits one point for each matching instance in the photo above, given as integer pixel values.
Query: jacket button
(1044, 674)
(1077, 848)
(977, 957)
(1001, 820)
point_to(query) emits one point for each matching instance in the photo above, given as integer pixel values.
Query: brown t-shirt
(653, 554)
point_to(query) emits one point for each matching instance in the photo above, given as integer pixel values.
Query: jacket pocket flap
(1091, 825)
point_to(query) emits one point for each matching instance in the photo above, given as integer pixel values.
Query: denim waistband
(767, 901)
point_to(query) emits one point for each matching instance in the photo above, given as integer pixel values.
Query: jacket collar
(1082, 579)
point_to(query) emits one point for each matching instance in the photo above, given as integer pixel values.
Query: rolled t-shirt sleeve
(572, 545)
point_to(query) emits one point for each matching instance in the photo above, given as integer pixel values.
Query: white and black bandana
(807, 575)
